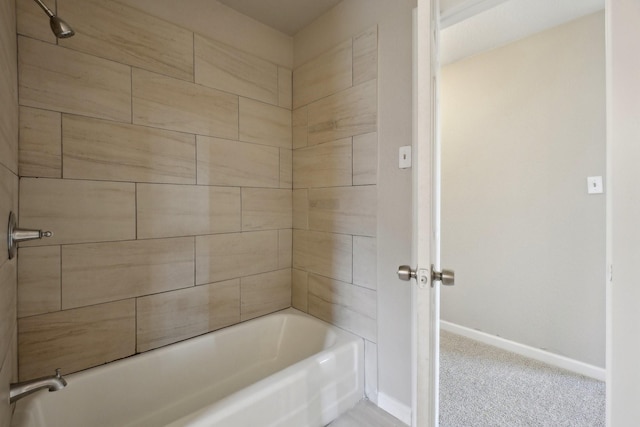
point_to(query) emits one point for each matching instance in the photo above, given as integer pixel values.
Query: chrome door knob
(446, 277)
(406, 273)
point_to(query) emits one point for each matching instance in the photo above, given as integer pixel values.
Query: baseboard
(395, 408)
(526, 351)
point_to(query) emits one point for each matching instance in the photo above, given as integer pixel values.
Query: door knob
(406, 273)
(446, 277)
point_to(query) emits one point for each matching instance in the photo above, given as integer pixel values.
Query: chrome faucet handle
(58, 373)
(46, 234)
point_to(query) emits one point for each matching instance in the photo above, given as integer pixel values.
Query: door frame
(425, 294)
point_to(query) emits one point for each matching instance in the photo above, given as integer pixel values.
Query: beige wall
(523, 126)
(335, 194)
(163, 168)
(393, 218)
(8, 201)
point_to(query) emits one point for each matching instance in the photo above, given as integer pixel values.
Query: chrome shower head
(60, 28)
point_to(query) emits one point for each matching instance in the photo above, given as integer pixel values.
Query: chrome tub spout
(53, 382)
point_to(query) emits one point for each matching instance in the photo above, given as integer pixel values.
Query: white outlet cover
(594, 185)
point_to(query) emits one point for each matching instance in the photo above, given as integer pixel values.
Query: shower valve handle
(15, 235)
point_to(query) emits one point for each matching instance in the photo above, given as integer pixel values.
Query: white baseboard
(395, 408)
(530, 352)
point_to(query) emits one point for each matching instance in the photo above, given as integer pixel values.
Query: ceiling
(504, 22)
(468, 26)
(287, 16)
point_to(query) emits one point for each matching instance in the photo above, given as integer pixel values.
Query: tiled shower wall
(8, 201)
(335, 194)
(162, 162)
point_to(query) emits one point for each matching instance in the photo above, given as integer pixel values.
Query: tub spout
(19, 390)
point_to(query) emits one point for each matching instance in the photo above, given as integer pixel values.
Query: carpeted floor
(483, 386)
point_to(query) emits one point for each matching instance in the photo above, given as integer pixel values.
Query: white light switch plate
(594, 185)
(404, 157)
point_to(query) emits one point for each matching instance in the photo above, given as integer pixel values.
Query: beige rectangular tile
(76, 339)
(365, 56)
(38, 280)
(225, 162)
(365, 261)
(265, 293)
(300, 209)
(299, 289)
(78, 211)
(8, 88)
(40, 143)
(324, 165)
(8, 203)
(347, 113)
(9, 137)
(101, 272)
(174, 316)
(266, 209)
(285, 89)
(299, 127)
(226, 68)
(32, 22)
(365, 159)
(285, 248)
(105, 150)
(286, 168)
(168, 103)
(8, 280)
(227, 256)
(351, 210)
(327, 254)
(107, 29)
(60, 79)
(348, 306)
(324, 75)
(264, 124)
(166, 210)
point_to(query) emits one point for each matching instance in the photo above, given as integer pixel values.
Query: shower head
(60, 28)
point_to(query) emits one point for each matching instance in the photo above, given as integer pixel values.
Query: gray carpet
(484, 386)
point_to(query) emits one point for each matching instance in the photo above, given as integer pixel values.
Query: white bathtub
(284, 369)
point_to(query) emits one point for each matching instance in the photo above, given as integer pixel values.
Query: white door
(426, 219)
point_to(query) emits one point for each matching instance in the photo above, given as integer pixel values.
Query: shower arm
(45, 8)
